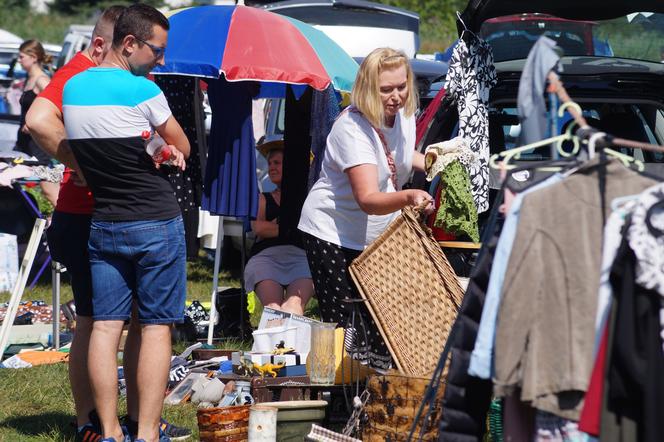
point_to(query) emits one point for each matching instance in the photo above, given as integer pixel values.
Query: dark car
(622, 94)
(511, 37)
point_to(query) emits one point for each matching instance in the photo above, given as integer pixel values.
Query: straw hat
(269, 146)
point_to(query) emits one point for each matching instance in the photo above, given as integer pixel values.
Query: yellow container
(340, 355)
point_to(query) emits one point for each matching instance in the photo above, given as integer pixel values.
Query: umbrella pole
(242, 288)
(215, 280)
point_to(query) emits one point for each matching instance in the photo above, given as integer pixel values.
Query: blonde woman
(369, 156)
(32, 58)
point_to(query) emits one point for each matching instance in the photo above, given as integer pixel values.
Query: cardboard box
(277, 318)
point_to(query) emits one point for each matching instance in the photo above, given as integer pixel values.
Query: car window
(6, 57)
(62, 58)
(636, 36)
(627, 121)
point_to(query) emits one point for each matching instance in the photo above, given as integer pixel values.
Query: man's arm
(172, 133)
(44, 123)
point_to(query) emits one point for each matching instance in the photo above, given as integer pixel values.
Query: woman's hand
(416, 198)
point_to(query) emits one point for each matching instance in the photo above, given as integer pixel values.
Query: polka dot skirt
(333, 284)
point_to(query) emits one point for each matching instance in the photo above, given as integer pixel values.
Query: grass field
(36, 403)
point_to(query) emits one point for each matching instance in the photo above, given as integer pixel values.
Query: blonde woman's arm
(364, 182)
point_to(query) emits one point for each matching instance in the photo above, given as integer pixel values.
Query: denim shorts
(68, 244)
(141, 260)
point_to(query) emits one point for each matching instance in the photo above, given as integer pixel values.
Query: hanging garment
(646, 239)
(551, 428)
(613, 426)
(480, 360)
(445, 152)
(457, 213)
(518, 419)
(186, 102)
(297, 154)
(636, 364)
(230, 186)
(324, 111)
(613, 235)
(182, 96)
(466, 399)
(544, 339)
(470, 77)
(542, 58)
(589, 421)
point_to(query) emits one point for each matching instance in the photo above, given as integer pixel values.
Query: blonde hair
(34, 48)
(365, 95)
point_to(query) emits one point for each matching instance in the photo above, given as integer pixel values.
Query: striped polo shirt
(105, 111)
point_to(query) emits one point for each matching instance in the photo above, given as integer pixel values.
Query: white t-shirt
(330, 211)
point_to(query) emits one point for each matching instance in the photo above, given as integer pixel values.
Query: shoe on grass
(91, 431)
(170, 431)
(112, 439)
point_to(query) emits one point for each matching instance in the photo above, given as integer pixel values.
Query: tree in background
(437, 21)
(16, 17)
(91, 6)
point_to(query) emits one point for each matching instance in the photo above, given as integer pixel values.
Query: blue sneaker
(112, 439)
(162, 438)
(167, 431)
(126, 437)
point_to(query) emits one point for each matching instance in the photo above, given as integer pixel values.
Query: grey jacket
(546, 327)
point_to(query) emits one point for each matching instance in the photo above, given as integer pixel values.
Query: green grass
(36, 403)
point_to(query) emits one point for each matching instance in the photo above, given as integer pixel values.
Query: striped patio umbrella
(245, 43)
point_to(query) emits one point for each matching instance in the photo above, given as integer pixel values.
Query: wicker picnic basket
(411, 291)
(223, 424)
(394, 400)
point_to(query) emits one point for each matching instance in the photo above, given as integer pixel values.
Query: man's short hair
(107, 20)
(138, 20)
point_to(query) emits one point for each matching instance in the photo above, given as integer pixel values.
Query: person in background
(136, 245)
(32, 58)
(68, 237)
(369, 156)
(278, 271)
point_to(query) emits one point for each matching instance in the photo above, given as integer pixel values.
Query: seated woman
(278, 271)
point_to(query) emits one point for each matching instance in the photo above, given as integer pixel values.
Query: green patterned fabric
(496, 421)
(457, 213)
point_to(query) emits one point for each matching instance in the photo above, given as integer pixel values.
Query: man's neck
(88, 54)
(114, 59)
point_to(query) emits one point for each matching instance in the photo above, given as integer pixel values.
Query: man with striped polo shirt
(137, 238)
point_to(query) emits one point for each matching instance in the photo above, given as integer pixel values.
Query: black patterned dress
(185, 100)
(470, 77)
